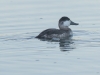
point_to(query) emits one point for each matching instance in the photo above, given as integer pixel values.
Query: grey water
(22, 54)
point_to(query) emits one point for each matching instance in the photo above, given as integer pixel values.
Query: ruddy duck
(63, 32)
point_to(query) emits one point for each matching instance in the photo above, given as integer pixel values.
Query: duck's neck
(64, 28)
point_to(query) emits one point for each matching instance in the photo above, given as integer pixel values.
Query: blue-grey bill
(73, 23)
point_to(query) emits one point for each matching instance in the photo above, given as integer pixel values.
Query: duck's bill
(73, 23)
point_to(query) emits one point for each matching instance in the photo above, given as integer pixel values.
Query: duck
(63, 32)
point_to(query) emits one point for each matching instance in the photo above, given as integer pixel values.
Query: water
(22, 54)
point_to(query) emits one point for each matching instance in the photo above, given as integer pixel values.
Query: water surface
(22, 54)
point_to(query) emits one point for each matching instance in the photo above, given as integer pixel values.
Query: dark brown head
(64, 22)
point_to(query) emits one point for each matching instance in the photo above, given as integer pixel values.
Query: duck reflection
(66, 45)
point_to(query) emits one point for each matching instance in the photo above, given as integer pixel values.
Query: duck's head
(64, 22)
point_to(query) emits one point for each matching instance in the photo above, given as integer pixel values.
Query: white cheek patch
(66, 23)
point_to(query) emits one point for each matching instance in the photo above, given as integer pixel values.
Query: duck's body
(55, 33)
(62, 33)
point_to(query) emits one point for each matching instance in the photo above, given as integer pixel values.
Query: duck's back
(54, 33)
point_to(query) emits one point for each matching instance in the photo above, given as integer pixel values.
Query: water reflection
(66, 45)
